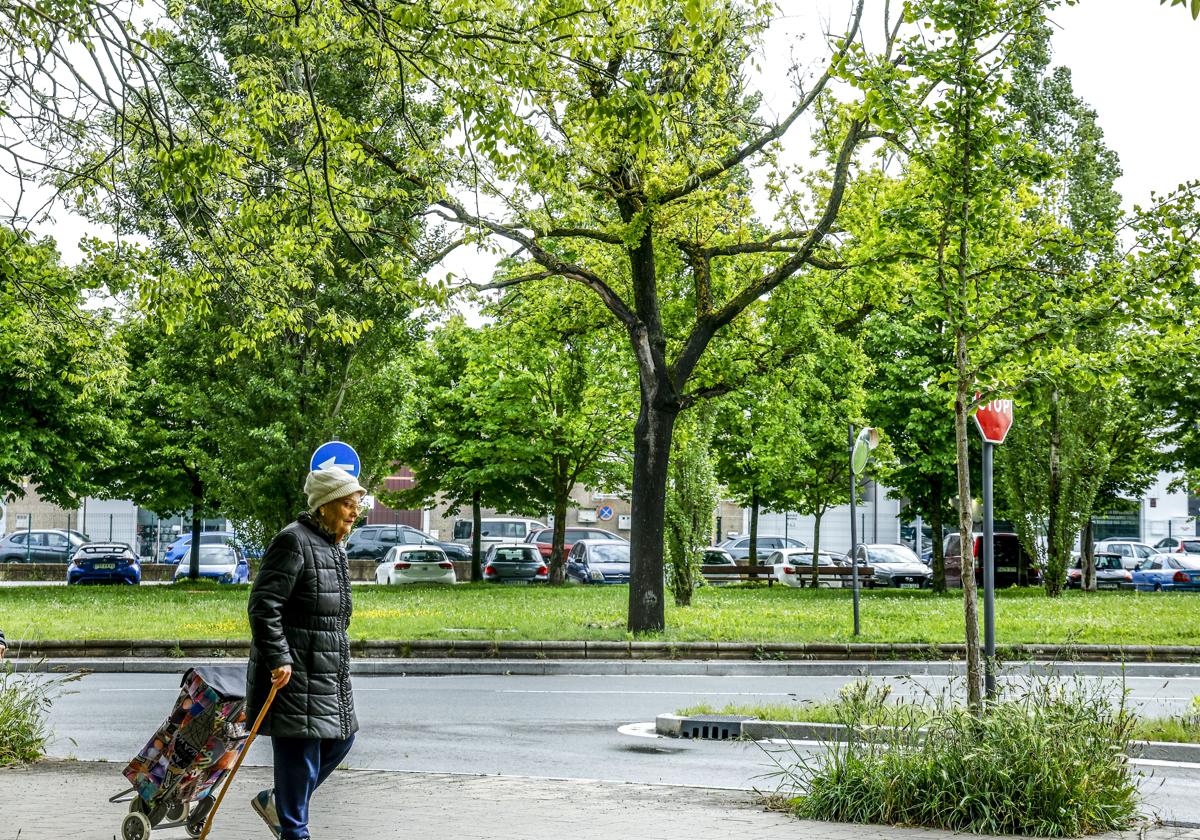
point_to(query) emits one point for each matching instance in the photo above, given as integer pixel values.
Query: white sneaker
(264, 804)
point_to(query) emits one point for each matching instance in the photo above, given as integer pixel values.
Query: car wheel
(1158, 587)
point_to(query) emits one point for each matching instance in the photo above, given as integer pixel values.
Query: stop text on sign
(994, 418)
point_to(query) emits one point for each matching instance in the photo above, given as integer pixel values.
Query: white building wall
(105, 519)
(877, 523)
(1164, 512)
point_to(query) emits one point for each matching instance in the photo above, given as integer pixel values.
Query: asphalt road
(556, 727)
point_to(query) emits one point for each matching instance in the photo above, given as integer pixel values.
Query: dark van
(1014, 566)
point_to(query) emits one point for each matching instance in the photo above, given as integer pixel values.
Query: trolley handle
(245, 749)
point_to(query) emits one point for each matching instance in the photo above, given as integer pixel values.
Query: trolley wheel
(177, 811)
(135, 826)
(195, 829)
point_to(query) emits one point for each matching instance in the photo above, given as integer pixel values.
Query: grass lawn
(732, 613)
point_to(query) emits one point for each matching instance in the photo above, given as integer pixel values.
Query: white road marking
(639, 730)
(698, 692)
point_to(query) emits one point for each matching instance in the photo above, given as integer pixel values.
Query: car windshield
(610, 554)
(422, 556)
(1191, 546)
(1108, 561)
(502, 529)
(515, 555)
(217, 554)
(1185, 562)
(213, 539)
(890, 554)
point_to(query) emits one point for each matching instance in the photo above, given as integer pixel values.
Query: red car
(544, 539)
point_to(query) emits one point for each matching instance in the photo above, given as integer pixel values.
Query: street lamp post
(860, 452)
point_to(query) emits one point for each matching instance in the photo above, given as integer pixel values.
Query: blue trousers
(301, 764)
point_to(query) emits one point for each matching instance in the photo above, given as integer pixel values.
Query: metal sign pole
(853, 531)
(989, 578)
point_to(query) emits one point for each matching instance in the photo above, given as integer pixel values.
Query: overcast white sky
(1133, 60)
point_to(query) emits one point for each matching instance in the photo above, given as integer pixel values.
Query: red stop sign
(994, 418)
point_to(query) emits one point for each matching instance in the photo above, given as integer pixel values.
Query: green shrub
(1046, 760)
(25, 701)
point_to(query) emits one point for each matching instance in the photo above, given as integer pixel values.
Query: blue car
(104, 562)
(598, 561)
(183, 545)
(1176, 572)
(222, 563)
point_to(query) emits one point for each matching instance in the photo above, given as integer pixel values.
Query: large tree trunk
(476, 525)
(966, 527)
(557, 551)
(197, 515)
(816, 559)
(651, 457)
(938, 497)
(1087, 553)
(753, 559)
(1057, 554)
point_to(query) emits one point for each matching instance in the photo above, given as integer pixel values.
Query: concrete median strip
(619, 650)
(732, 727)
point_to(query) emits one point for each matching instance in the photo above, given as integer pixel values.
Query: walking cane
(245, 749)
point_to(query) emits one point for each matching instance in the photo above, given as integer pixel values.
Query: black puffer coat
(299, 611)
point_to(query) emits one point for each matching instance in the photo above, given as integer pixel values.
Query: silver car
(895, 566)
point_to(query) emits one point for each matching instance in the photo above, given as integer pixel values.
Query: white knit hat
(325, 485)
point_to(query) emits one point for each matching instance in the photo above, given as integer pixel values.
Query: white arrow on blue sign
(335, 453)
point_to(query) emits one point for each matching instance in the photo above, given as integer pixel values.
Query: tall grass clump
(1047, 760)
(25, 701)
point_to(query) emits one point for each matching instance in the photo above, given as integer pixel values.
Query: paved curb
(610, 650)
(673, 726)
(619, 667)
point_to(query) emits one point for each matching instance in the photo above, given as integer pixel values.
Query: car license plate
(104, 566)
(1008, 569)
(517, 581)
(910, 586)
(1107, 585)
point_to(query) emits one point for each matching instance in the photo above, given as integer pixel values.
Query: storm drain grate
(713, 727)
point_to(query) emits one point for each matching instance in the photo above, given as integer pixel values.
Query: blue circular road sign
(335, 453)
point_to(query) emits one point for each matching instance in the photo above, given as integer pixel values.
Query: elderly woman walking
(299, 611)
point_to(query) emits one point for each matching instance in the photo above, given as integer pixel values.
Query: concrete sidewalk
(52, 800)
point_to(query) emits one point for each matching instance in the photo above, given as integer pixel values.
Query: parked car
(894, 566)
(222, 563)
(51, 545)
(793, 567)
(1187, 545)
(1110, 573)
(598, 561)
(372, 542)
(1013, 564)
(714, 556)
(1168, 571)
(515, 563)
(183, 545)
(1132, 552)
(544, 538)
(415, 564)
(104, 562)
(497, 529)
(739, 547)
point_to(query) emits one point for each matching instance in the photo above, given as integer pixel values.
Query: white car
(793, 567)
(414, 564)
(1132, 552)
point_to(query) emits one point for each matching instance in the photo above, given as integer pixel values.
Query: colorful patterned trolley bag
(175, 774)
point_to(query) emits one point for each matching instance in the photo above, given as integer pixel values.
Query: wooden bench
(727, 574)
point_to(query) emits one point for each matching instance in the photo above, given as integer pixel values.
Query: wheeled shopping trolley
(175, 776)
